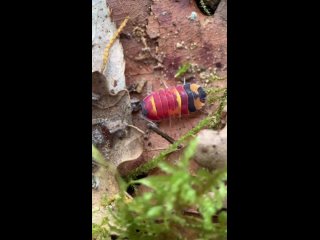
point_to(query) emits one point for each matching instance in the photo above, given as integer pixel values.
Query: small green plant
(214, 77)
(161, 213)
(99, 232)
(182, 70)
(98, 158)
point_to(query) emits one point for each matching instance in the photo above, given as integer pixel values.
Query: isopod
(173, 102)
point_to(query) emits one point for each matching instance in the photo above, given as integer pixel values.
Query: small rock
(140, 85)
(97, 137)
(193, 46)
(95, 182)
(179, 45)
(95, 97)
(115, 125)
(193, 16)
(135, 104)
(212, 149)
(203, 75)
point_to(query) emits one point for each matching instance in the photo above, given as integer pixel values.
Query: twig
(155, 149)
(154, 128)
(112, 40)
(136, 128)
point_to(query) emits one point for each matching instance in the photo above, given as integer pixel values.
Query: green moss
(214, 94)
(99, 232)
(98, 158)
(160, 214)
(214, 77)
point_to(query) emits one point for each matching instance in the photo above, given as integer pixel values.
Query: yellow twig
(112, 40)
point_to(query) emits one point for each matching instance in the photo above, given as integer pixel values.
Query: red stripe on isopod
(170, 99)
(157, 101)
(164, 102)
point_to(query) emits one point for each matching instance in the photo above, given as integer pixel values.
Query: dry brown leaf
(111, 110)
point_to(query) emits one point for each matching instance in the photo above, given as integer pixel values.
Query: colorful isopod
(173, 102)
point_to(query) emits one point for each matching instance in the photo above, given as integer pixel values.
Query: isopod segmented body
(173, 102)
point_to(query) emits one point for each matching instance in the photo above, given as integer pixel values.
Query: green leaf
(182, 69)
(223, 217)
(189, 152)
(207, 207)
(99, 232)
(177, 181)
(97, 156)
(154, 182)
(147, 196)
(188, 194)
(222, 190)
(166, 167)
(154, 211)
(170, 202)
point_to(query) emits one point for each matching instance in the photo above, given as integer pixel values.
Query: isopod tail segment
(173, 102)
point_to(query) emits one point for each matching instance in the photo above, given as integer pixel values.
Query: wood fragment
(154, 128)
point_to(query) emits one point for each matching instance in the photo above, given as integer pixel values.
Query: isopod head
(199, 95)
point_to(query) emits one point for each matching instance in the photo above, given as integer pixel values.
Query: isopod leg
(164, 84)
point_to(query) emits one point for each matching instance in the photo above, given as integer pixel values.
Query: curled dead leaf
(115, 141)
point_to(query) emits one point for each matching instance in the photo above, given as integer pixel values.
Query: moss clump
(215, 94)
(160, 214)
